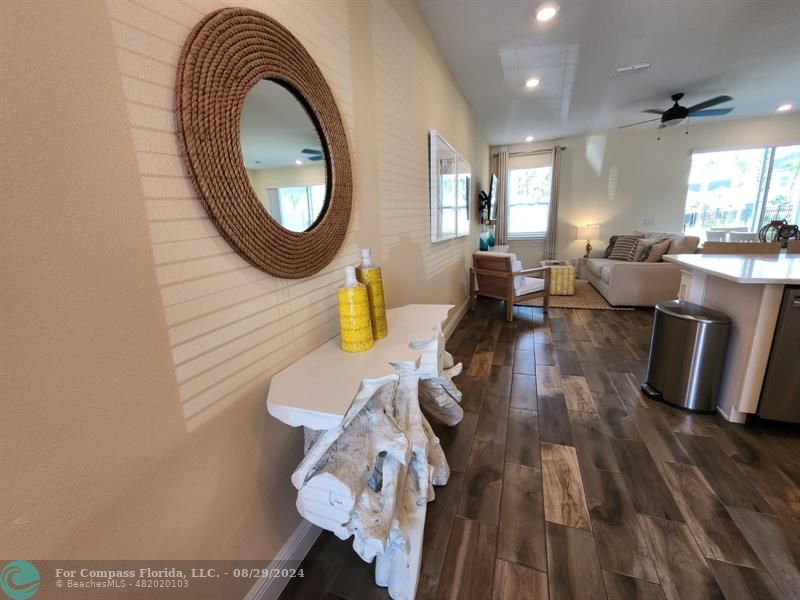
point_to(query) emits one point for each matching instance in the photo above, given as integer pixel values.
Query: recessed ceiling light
(532, 82)
(298, 162)
(546, 13)
(529, 138)
(784, 107)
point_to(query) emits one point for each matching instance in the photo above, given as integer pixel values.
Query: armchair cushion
(516, 265)
(529, 285)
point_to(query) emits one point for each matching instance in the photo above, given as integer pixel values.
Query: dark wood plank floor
(569, 483)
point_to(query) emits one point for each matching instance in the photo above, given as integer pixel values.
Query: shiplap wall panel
(168, 252)
(230, 325)
(406, 93)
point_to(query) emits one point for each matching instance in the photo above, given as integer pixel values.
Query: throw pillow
(625, 248)
(645, 244)
(643, 249)
(610, 246)
(658, 250)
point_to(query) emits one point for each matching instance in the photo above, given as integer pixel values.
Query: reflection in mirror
(446, 166)
(450, 190)
(283, 156)
(463, 187)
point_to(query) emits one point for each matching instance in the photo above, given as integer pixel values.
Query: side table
(581, 267)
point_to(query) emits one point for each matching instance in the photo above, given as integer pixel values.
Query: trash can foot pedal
(652, 392)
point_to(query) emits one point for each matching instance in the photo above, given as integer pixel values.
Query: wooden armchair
(494, 275)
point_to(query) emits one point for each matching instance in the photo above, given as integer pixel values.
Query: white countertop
(744, 268)
(318, 389)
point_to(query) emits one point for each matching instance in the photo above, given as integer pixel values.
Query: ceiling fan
(313, 155)
(677, 114)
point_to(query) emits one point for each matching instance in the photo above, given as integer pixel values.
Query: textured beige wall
(621, 178)
(136, 345)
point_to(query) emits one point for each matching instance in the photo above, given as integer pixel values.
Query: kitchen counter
(744, 268)
(749, 289)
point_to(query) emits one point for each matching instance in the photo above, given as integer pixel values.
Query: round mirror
(283, 155)
(250, 101)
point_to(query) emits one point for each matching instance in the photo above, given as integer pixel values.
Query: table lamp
(588, 233)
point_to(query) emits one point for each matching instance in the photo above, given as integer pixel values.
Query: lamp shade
(588, 232)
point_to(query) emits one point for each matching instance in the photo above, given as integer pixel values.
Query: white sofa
(640, 283)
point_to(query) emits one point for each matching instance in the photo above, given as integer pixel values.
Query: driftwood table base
(371, 478)
(371, 475)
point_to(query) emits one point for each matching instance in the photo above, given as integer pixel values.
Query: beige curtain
(501, 228)
(550, 240)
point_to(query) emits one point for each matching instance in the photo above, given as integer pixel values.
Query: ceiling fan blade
(315, 158)
(639, 123)
(709, 103)
(310, 151)
(712, 112)
(653, 111)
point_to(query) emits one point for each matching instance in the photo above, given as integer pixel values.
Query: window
(742, 189)
(296, 207)
(529, 181)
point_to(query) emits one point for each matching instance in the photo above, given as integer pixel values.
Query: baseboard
(294, 550)
(455, 319)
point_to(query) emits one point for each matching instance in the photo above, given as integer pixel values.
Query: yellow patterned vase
(371, 277)
(354, 319)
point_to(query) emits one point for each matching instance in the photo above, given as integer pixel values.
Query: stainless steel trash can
(687, 352)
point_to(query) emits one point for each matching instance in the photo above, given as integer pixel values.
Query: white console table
(317, 391)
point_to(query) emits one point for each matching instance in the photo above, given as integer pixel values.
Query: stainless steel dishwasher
(780, 394)
(687, 353)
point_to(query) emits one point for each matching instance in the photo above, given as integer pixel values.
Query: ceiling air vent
(635, 68)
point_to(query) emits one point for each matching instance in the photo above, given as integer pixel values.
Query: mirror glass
(283, 155)
(450, 189)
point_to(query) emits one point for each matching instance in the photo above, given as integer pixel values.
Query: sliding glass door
(783, 191)
(741, 190)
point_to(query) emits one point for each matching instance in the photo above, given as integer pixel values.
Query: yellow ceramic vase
(354, 319)
(371, 277)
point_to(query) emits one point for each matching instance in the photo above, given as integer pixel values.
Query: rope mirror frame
(225, 55)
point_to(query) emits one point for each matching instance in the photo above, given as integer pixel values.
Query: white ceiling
(747, 49)
(275, 128)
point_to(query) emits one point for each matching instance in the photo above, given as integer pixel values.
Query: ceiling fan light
(529, 138)
(532, 82)
(784, 107)
(298, 162)
(546, 13)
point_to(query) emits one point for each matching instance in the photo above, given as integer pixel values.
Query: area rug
(585, 297)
